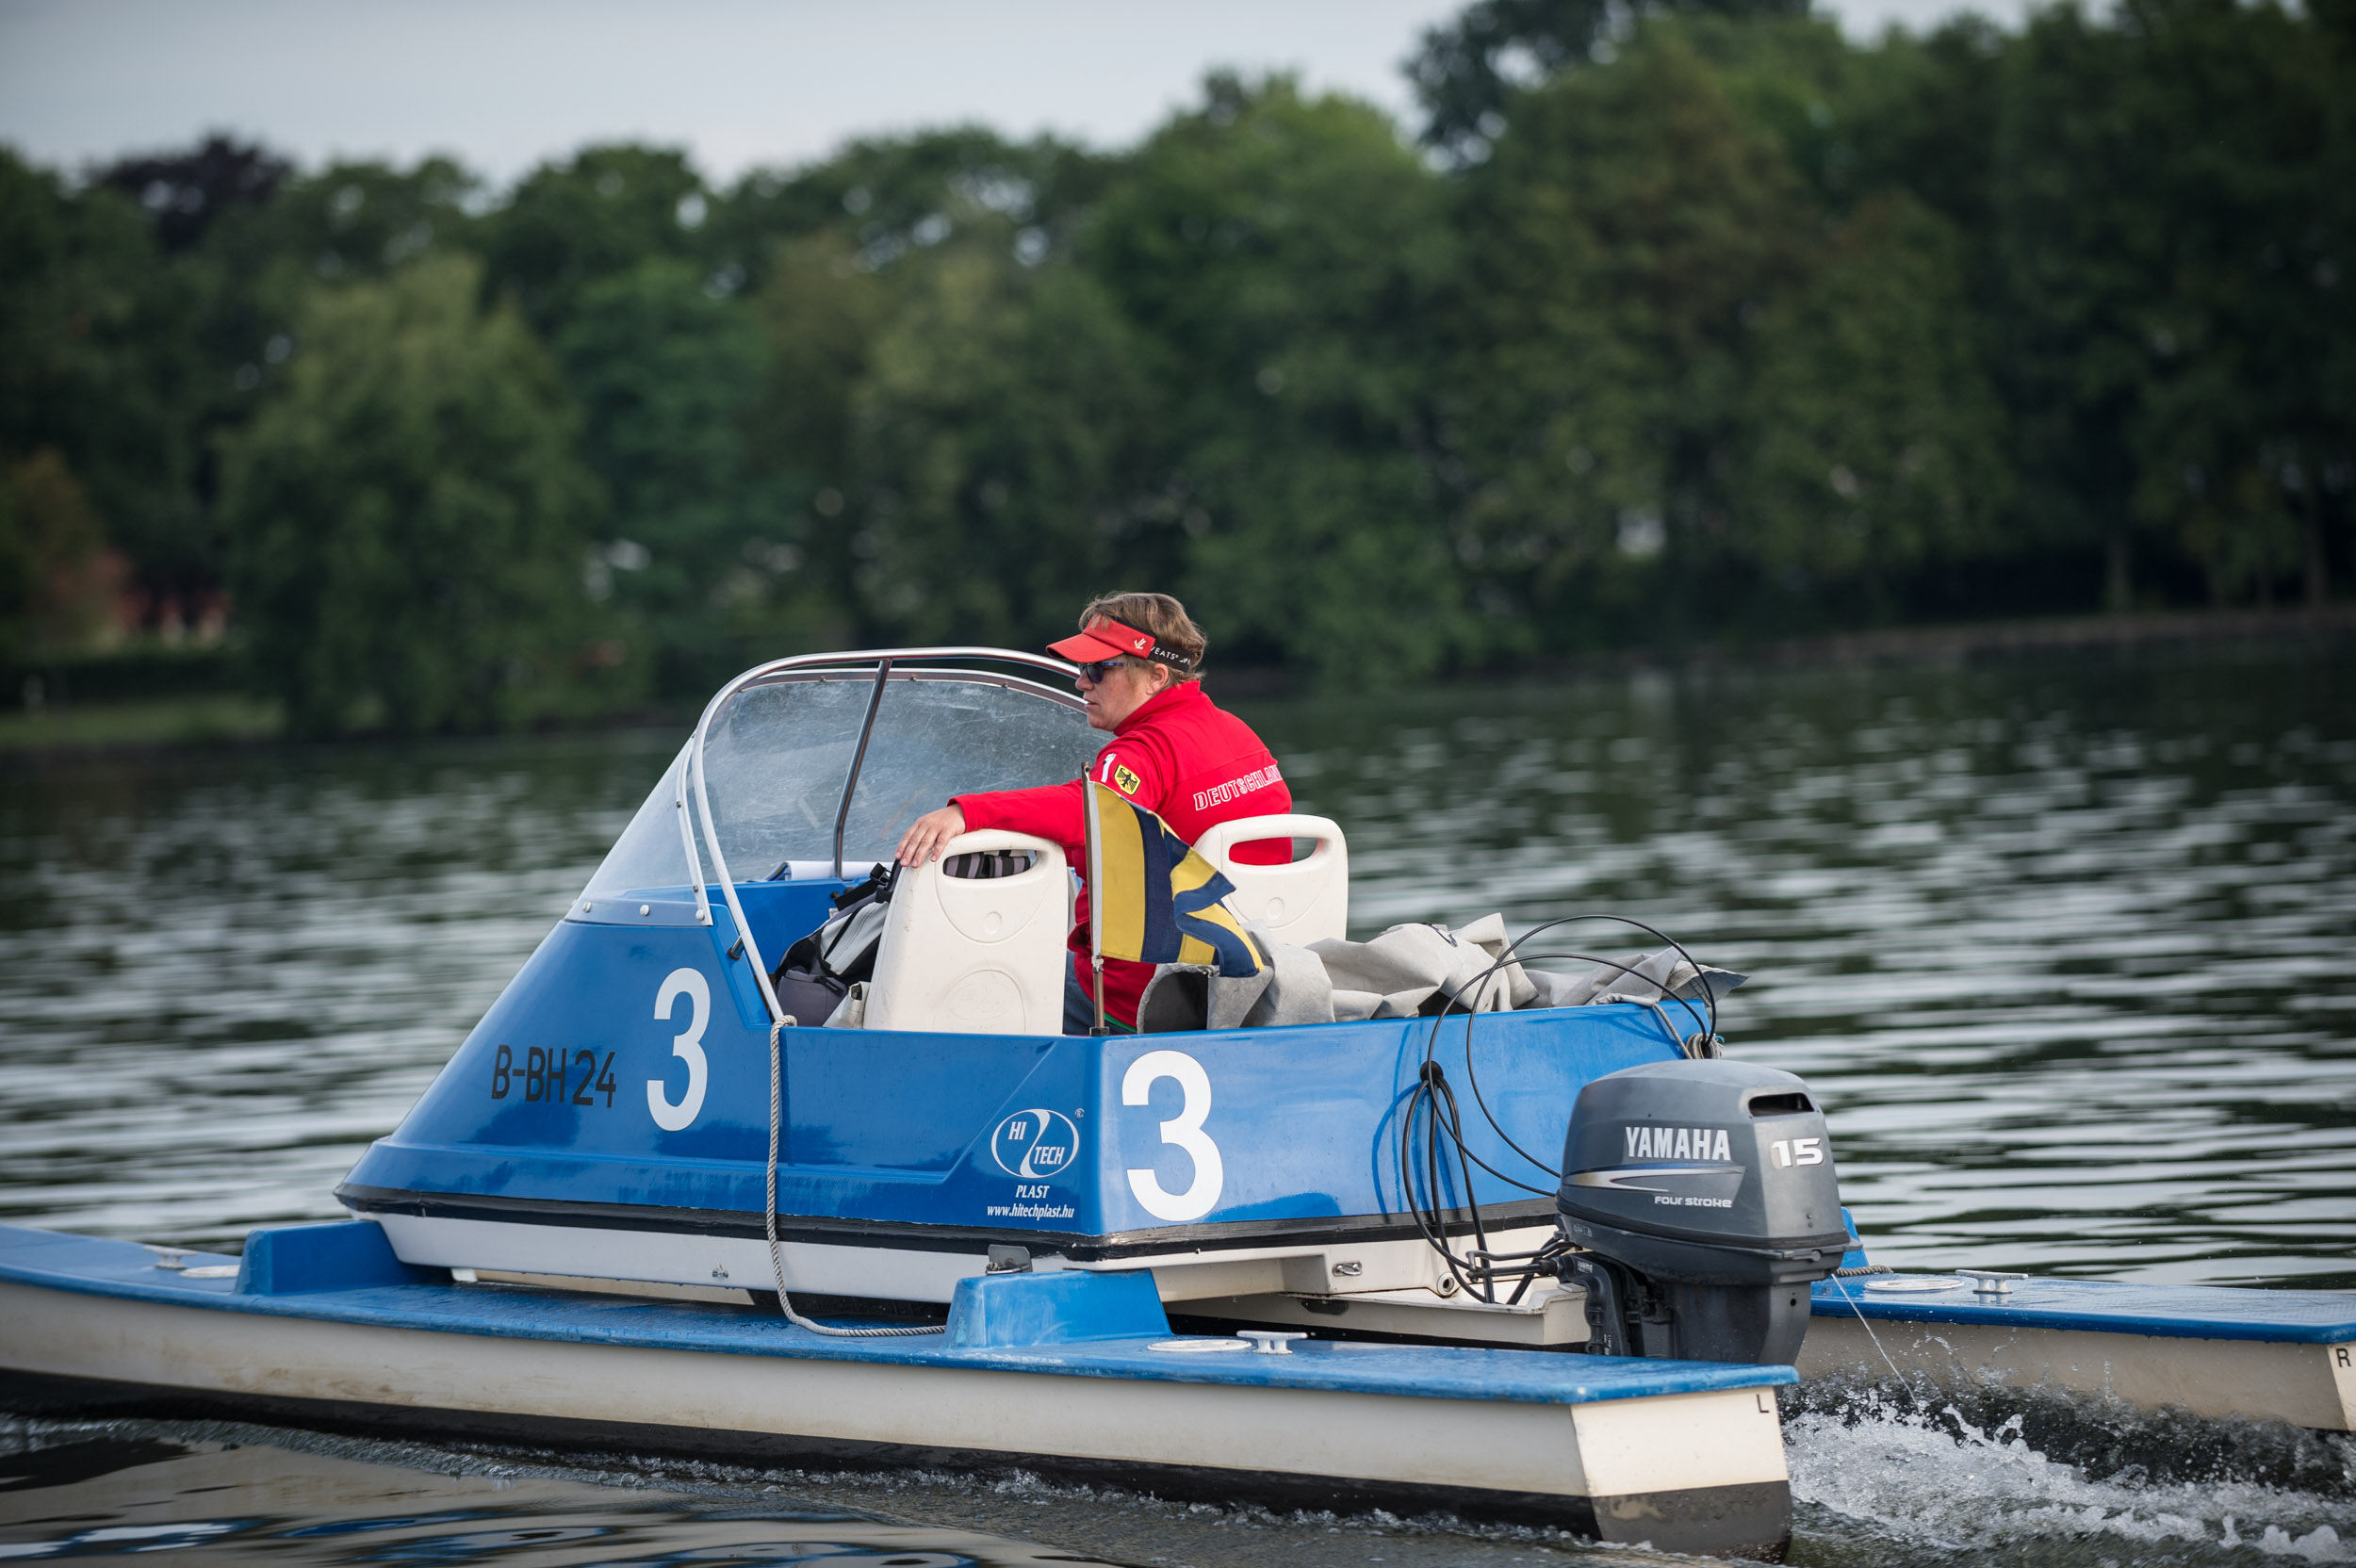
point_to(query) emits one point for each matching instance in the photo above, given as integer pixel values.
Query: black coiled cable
(1431, 1102)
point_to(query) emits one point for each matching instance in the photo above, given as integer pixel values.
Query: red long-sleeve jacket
(1181, 757)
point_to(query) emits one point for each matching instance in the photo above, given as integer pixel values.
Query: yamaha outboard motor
(1703, 1192)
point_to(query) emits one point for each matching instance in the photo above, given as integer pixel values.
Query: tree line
(1680, 324)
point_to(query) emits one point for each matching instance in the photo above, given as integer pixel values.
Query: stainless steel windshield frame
(858, 760)
(687, 843)
(888, 658)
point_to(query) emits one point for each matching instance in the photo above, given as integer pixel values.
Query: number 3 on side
(688, 1045)
(1185, 1130)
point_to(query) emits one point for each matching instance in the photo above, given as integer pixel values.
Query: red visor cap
(1105, 638)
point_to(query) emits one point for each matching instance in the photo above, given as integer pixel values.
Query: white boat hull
(2305, 1386)
(1688, 1457)
(883, 1272)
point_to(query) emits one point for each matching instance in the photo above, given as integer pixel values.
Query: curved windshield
(935, 738)
(775, 760)
(649, 855)
(778, 757)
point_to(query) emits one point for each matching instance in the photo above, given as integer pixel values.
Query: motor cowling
(1704, 1198)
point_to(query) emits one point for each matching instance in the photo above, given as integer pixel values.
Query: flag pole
(1096, 899)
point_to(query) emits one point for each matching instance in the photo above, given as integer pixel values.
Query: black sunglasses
(1094, 671)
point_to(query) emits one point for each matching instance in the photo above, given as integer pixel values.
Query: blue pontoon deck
(1070, 1373)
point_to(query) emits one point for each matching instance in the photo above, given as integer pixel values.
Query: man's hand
(929, 834)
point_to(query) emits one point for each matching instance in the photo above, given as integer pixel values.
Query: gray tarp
(1400, 971)
(1405, 970)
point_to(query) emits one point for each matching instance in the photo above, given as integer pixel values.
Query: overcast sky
(505, 82)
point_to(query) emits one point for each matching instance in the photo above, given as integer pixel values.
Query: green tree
(345, 222)
(2335, 181)
(1687, 318)
(186, 192)
(201, 350)
(93, 353)
(2233, 436)
(1466, 71)
(408, 521)
(887, 198)
(1627, 241)
(819, 313)
(832, 256)
(236, 291)
(1282, 258)
(57, 580)
(1876, 440)
(2083, 262)
(598, 215)
(668, 376)
(2159, 204)
(1919, 115)
(997, 433)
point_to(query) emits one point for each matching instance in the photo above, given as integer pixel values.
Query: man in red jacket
(1173, 751)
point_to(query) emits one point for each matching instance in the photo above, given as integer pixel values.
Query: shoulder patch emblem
(1127, 780)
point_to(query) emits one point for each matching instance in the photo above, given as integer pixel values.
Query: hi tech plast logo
(1033, 1145)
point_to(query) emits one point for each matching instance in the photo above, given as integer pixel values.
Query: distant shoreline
(1970, 643)
(1949, 645)
(227, 718)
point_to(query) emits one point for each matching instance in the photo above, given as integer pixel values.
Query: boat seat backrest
(1301, 902)
(973, 943)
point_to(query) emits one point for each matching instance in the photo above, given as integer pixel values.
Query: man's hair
(1160, 614)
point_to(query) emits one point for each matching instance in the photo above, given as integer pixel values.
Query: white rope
(769, 1211)
(1864, 1323)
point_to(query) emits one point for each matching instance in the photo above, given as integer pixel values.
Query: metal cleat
(1989, 1282)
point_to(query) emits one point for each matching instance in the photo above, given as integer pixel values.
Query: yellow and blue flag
(1152, 899)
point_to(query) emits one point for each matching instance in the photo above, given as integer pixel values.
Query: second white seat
(1299, 902)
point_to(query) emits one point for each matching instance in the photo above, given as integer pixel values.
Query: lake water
(2065, 948)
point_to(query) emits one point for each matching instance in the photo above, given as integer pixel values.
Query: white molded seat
(1299, 903)
(976, 956)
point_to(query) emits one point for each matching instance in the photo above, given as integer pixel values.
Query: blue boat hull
(620, 1087)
